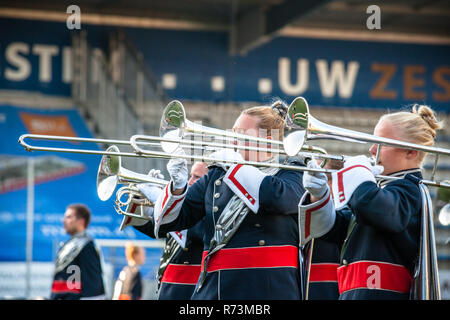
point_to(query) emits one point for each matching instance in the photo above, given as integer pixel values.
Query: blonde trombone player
(250, 218)
(384, 240)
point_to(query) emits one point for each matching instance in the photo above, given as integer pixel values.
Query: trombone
(300, 124)
(175, 126)
(305, 127)
(301, 127)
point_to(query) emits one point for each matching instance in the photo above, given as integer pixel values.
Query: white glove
(149, 190)
(315, 182)
(363, 161)
(178, 171)
(356, 171)
(155, 174)
(227, 154)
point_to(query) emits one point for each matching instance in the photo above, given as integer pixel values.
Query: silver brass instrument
(133, 196)
(175, 127)
(425, 284)
(174, 124)
(29, 147)
(305, 127)
(301, 127)
(110, 173)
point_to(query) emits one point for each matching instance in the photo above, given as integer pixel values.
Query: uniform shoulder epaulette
(70, 251)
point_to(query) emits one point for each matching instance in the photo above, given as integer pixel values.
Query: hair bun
(280, 107)
(427, 114)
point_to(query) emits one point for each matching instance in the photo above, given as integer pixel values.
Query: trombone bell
(172, 124)
(297, 121)
(107, 175)
(110, 173)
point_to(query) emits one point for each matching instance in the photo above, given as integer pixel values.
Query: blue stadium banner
(60, 179)
(195, 65)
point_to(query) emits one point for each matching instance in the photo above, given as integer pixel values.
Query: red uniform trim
(172, 206)
(165, 200)
(166, 195)
(133, 207)
(255, 257)
(239, 186)
(308, 216)
(374, 275)
(60, 286)
(323, 272)
(341, 180)
(182, 273)
(132, 210)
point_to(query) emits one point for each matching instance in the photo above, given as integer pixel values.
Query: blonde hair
(270, 117)
(418, 126)
(131, 250)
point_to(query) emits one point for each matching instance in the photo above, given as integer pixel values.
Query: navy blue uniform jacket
(323, 283)
(380, 244)
(82, 278)
(181, 275)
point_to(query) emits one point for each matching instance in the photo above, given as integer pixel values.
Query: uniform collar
(400, 174)
(80, 234)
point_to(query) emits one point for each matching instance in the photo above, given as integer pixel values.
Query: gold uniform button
(186, 262)
(218, 182)
(258, 225)
(261, 242)
(217, 195)
(345, 262)
(215, 209)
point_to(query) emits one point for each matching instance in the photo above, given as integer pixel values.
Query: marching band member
(180, 264)
(78, 270)
(379, 239)
(250, 218)
(179, 267)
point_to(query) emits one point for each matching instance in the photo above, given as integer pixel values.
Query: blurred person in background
(129, 284)
(198, 170)
(78, 271)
